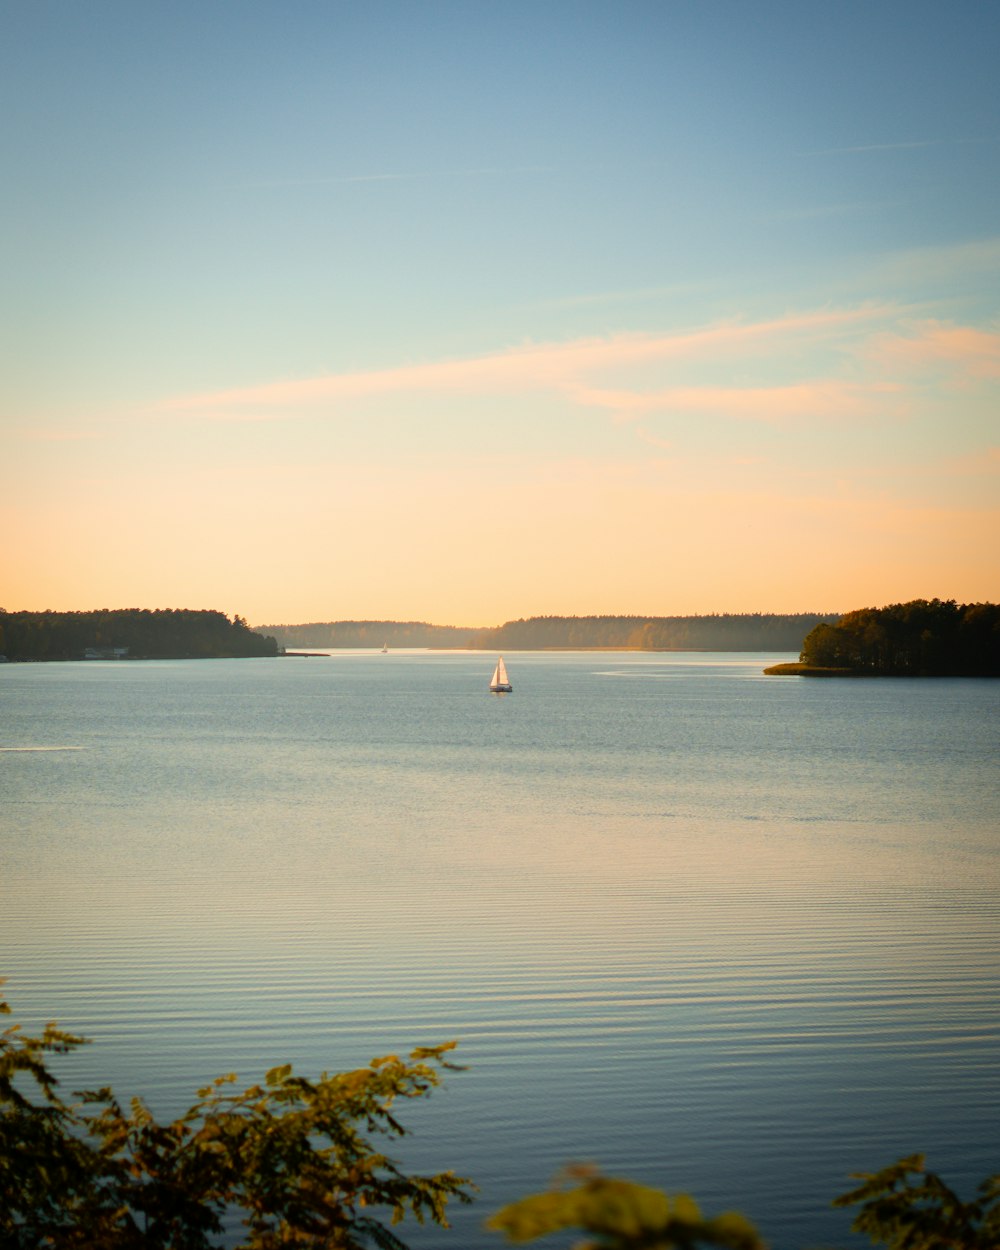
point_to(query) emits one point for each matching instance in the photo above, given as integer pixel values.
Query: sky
(464, 311)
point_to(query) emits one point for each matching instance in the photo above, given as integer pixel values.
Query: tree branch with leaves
(297, 1158)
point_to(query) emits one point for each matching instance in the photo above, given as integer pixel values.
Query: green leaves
(621, 1215)
(296, 1156)
(905, 1207)
(300, 1159)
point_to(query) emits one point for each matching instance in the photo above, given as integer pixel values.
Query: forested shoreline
(922, 638)
(374, 634)
(129, 633)
(721, 632)
(755, 631)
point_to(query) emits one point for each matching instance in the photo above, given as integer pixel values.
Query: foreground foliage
(296, 1160)
(902, 1207)
(905, 1207)
(620, 1215)
(294, 1157)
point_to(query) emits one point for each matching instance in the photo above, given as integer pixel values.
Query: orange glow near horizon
(790, 465)
(672, 328)
(457, 545)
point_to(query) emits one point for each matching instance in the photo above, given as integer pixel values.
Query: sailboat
(499, 682)
(385, 648)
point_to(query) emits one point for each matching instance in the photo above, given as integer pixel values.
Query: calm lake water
(726, 934)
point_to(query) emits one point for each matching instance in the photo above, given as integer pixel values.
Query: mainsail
(499, 680)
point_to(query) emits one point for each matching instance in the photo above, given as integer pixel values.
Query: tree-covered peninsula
(129, 633)
(922, 638)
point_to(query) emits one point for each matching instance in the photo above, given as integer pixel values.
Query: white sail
(500, 680)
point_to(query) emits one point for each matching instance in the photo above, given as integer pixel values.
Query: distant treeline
(743, 632)
(748, 632)
(372, 634)
(923, 638)
(163, 634)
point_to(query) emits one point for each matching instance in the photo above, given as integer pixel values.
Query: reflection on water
(719, 932)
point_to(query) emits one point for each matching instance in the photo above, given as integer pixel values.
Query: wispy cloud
(816, 212)
(820, 367)
(652, 440)
(901, 146)
(341, 180)
(344, 180)
(820, 398)
(970, 352)
(559, 367)
(60, 436)
(876, 147)
(634, 295)
(932, 264)
(982, 463)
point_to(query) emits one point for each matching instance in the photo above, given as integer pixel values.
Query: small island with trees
(922, 638)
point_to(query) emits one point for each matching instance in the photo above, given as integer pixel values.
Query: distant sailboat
(385, 648)
(499, 682)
